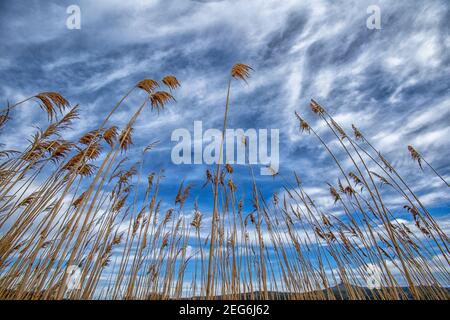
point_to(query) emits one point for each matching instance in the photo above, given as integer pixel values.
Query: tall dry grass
(80, 203)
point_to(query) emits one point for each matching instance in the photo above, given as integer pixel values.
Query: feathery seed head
(159, 99)
(171, 82)
(316, 108)
(147, 85)
(358, 134)
(110, 135)
(241, 71)
(50, 101)
(89, 137)
(415, 155)
(304, 126)
(125, 138)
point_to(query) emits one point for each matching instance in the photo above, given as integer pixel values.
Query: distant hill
(338, 292)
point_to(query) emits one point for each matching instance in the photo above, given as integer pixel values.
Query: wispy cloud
(392, 83)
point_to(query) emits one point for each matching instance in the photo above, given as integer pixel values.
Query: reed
(84, 203)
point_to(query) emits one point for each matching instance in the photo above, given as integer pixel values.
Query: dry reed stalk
(307, 251)
(238, 71)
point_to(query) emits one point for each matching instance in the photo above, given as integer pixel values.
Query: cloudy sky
(392, 83)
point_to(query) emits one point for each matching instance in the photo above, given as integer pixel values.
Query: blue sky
(392, 83)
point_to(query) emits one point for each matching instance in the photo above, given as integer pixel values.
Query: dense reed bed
(80, 203)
